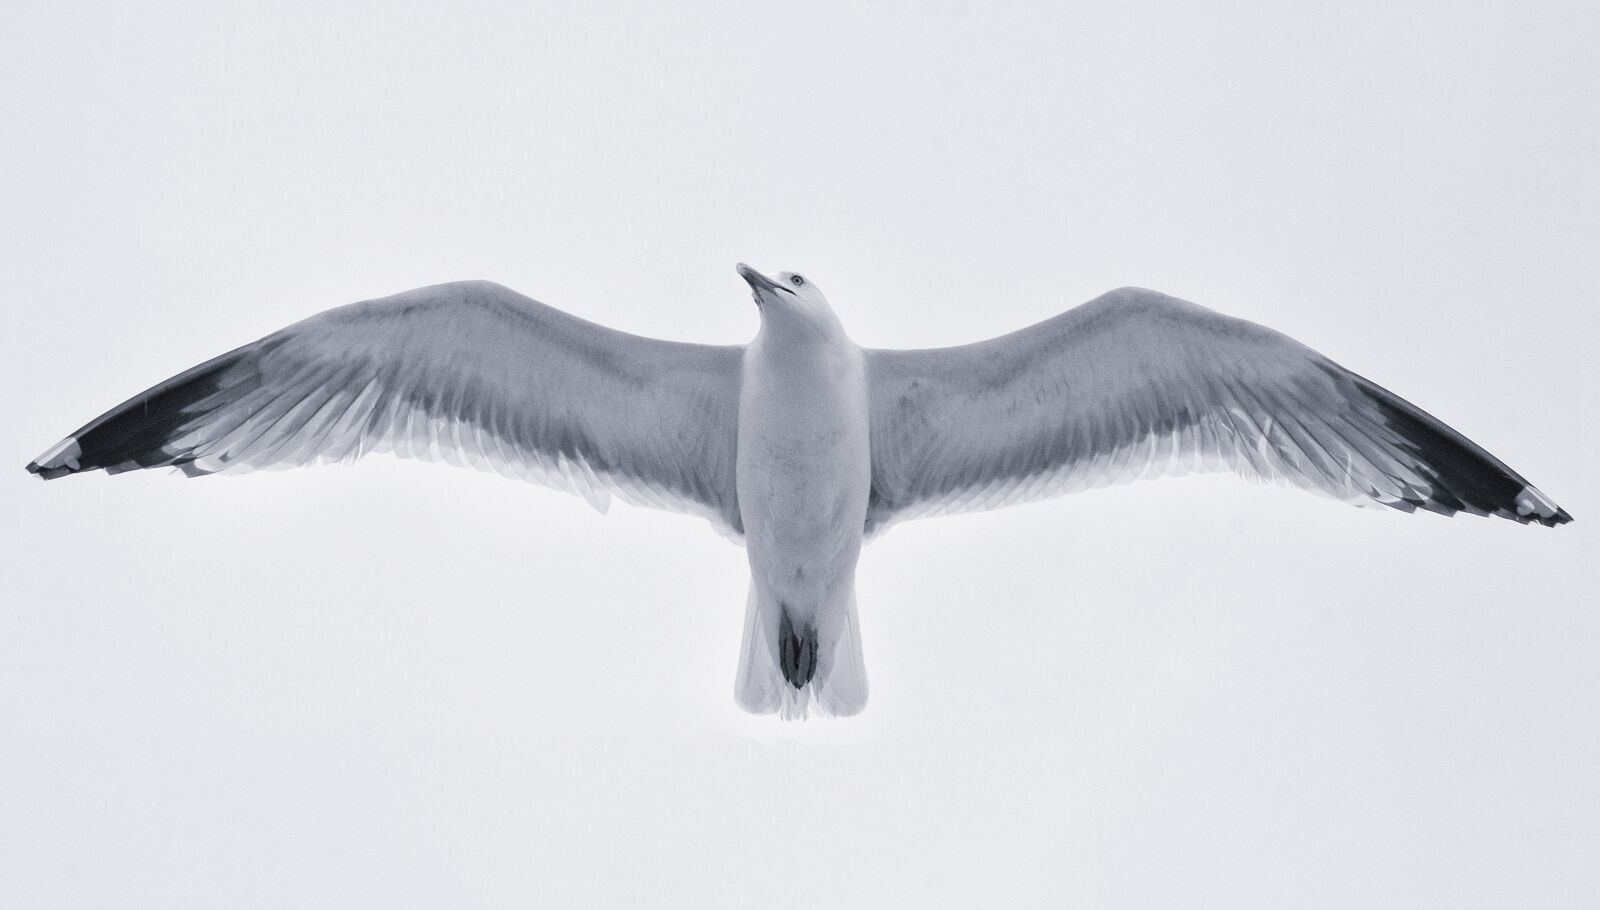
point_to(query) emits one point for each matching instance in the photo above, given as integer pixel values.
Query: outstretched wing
(470, 373)
(1137, 384)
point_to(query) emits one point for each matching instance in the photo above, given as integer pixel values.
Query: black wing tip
(1549, 521)
(1449, 506)
(139, 432)
(49, 473)
(1461, 476)
(63, 458)
(1561, 517)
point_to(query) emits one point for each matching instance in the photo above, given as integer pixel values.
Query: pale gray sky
(401, 684)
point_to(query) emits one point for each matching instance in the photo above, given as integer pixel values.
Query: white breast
(804, 467)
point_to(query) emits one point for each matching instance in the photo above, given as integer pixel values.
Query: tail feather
(793, 674)
(759, 686)
(845, 691)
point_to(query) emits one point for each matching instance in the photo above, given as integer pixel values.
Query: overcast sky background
(401, 684)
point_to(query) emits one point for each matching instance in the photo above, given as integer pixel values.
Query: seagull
(801, 445)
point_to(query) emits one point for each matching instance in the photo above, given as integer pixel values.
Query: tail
(791, 672)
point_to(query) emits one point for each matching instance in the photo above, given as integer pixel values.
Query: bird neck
(803, 324)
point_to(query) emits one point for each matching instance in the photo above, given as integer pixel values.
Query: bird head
(787, 292)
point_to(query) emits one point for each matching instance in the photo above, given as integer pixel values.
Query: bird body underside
(803, 472)
(801, 443)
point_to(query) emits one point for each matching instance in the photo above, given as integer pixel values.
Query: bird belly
(803, 476)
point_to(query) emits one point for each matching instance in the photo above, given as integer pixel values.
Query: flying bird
(801, 445)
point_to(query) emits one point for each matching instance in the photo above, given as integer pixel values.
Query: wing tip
(59, 461)
(1460, 475)
(1533, 507)
(139, 432)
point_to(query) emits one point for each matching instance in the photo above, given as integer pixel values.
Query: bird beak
(759, 282)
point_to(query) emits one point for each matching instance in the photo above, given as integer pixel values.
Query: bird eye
(797, 281)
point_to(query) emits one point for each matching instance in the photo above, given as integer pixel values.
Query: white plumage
(801, 444)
